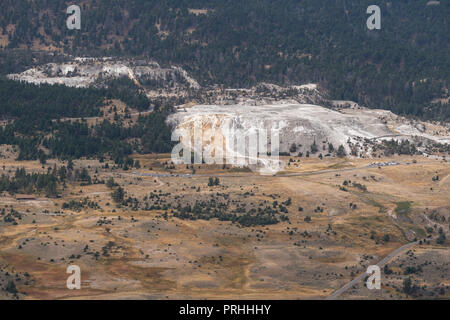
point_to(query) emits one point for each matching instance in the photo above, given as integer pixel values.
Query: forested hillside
(403, 67)
(32, 121)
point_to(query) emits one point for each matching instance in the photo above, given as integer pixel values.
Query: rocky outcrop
(96, 72)
(356, 128)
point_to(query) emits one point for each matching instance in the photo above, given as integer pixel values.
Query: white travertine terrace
(304, 124)
(86, 72)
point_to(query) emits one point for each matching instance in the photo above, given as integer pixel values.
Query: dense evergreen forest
(33, 116)
(403, 67)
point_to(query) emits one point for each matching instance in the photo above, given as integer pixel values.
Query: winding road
(282, 175)
(381, 264)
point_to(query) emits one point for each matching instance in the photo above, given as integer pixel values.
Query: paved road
(310, 173)
(282, 175)
(174, 175)
(381, 264)
(307, 173)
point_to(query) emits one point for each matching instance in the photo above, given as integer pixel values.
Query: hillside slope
(404, 67)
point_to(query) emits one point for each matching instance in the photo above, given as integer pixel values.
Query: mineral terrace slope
(86, 72)
(298, 111)
(304, 124)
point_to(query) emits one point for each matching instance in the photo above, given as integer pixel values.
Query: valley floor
(343, 215)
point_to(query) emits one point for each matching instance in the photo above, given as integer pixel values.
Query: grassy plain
(334, 232)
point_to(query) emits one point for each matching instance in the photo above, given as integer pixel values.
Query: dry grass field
(342, 217)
